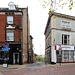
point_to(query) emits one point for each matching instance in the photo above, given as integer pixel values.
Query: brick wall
(2, 28)
(16, 21)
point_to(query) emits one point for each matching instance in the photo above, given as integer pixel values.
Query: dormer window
(11, 6)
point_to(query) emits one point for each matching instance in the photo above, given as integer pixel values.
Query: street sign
(60, 48)
(6, 48)
(48, 54)
(29, 54)
(59, 52)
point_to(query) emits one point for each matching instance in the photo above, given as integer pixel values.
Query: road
(41, 69)
(38, 64)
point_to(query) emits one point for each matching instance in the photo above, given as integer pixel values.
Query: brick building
(60, 38)
(15, 31)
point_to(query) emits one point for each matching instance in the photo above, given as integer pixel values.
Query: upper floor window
(10, 36)
(65, 39)
(10, 19)
(65, 24)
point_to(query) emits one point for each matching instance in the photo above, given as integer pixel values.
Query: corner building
(60, 38)
(15, 30)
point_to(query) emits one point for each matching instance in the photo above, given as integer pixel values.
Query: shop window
(71, 56)
(10, 36)
(65, 39)
(9, 19)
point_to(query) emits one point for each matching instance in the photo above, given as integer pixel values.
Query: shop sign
(64, 47)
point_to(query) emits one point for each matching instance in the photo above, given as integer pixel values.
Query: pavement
(17, 67)
(13, 67)
(39, 69)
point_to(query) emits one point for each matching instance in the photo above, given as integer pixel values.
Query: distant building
(15, 30)
(31, 50)
(60, 38)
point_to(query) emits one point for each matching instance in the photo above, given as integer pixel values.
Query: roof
(59, 15)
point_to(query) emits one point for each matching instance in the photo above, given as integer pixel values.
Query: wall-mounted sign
(65, 47)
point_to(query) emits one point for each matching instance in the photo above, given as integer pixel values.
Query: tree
(54, 4)
(36, 55)
(39, 58)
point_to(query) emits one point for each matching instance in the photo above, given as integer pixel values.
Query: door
(15, 58)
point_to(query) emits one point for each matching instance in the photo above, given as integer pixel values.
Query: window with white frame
(10, 36)
(65, 39)
(10, 19)
(65, 24)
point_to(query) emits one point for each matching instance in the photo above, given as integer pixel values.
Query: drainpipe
(27, 38)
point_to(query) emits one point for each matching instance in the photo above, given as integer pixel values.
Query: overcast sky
(38, 18)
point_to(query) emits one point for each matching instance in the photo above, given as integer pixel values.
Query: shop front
(14, 55)
(67, 53)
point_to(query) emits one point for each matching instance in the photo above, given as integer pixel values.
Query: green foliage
(54, 4)
(36, 55)
(39, 58)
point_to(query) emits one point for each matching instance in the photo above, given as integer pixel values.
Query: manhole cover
(1, 73)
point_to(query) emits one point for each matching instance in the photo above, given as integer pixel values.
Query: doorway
(15, 58)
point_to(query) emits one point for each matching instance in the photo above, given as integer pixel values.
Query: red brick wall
(2, 28)
(16, 21)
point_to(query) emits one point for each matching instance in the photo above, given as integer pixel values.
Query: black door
(15, 58)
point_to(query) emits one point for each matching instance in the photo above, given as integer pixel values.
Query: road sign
(29, 54)
(48, 54)
(60, 48)
(59, 52)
